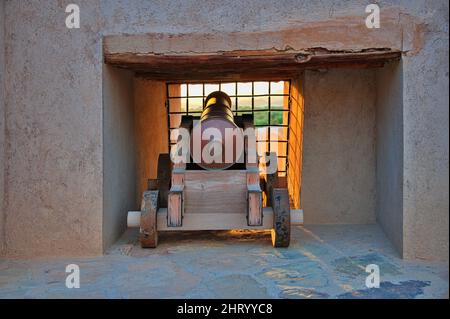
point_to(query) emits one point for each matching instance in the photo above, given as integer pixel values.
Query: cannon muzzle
(217, 115)
(217, 105)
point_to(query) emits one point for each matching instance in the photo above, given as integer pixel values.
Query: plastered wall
(389, 148)
(426, 142)
(295, 141)
(53, 119)
(338, 175)
(151, 129)
(119, 152)
(2, 130)
(53, 167)
(134, 134)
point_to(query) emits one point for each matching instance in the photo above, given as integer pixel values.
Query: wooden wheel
(149, 207)
(164, 176)
(281, 232)
(277, 196)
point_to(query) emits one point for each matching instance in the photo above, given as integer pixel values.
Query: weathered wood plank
(175, 209)
(176, 198)
(253, 176)
(215, 192)
(164, 170)
(214, 221)
(148, 236)
(255, 214)
(178, 177)
(243, 65)
(254, 205)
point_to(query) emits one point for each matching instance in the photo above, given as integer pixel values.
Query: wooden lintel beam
(246, 65)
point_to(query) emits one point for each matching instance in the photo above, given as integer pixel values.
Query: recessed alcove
(344, 140)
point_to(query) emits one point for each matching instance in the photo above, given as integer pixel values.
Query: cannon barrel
(217, 114)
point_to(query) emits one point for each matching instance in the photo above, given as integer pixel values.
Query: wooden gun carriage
(215, 196)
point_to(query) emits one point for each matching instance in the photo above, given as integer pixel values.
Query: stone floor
(322, 262)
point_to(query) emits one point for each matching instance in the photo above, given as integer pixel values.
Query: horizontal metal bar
(249, 111)
(260, 125)
(217, 81)
(268, 141)
(234, 96)
(273, 125)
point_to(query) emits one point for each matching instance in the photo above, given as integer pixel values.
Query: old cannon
(223, 193)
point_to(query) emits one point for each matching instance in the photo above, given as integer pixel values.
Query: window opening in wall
(268, 101)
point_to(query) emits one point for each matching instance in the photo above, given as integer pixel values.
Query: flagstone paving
(321, 262)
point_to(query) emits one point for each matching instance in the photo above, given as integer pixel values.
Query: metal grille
(268, 101)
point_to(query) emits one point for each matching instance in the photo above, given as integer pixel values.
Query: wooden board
(214, 221)
(254, 210)
(175, 203)
(221, 192)
(148, 231)
(164, 169)
(175, 208)
(255, 215)
(242, 64)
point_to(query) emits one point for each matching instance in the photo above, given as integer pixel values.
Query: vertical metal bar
(270, 121)
(236, 97)
(187, 98)
(253, 99)
(288, 129)
(203, 95)
(168, 112)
